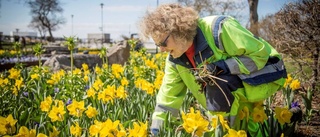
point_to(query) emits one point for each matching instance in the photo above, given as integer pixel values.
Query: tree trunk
(51, 39)
(253, 6)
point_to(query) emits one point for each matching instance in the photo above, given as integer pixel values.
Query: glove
(154, 131)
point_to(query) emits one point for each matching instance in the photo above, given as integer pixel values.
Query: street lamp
(157, 46)
(71, 24)
(101, 23)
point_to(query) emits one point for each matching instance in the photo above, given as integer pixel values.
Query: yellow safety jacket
(223, 41)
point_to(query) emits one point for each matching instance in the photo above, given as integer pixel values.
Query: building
(98, 37)
(15, 35)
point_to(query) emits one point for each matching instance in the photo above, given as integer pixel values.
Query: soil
(311, 129)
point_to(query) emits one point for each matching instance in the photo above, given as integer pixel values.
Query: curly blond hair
(180, 22)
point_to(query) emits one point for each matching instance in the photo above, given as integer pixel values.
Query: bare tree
(45, 14)
(295, 30)
(253, 8)
(40, 28)
(233, 8)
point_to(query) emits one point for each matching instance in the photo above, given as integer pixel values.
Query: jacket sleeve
(170, 96)
(246, 53)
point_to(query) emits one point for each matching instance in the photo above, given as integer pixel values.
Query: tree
(295, 30)
(233, 8)
(253, 8)
(45, 15)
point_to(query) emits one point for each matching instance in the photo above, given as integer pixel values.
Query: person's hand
(154, 132)
(207, 73)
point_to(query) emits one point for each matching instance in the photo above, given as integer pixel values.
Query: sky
(119, 17)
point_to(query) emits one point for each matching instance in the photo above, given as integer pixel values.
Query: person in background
(221, 63)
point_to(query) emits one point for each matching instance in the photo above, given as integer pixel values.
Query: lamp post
(71, 24)
(157, 46)
(101, 23)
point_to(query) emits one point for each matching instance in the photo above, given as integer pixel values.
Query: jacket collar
(200, 44)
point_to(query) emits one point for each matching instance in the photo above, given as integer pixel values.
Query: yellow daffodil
(97, 85)
(42, 135)
(57, 112)
(295, 84)
(288, 80)
(139, 130)
(107, 94)
(85, 66)
(224, 123)
(45, 105)
(121, 93)
(91, 112)
(35, 76)
(111, 129)
(259, 115)
(7, 125)
(91, 93)
(95, 128)
(14, 73)
(54, 133)
(76, 71)
(124, 82)
(24, 132)
(214, 122)
(283, 115)
(193, 122)
(76, 108)
(116, 70)
(98, 70)
(76, 130)
(234, 133)
(244, 113)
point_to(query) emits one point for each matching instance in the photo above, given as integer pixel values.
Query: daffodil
(107, 94)
(112, 129)
(244, 113)
(91, 112)
(193, 122)
(7, 125)
(14, 73)
(76, 130)
(91, 92)
(259, 115)
(283, 115)
(35, 76)
(116, 70)
(234, 133)
(138, 130)
(85, 66)
(45, 105)
(288, 80)
(54, 133)
(295, 84)
(76, 108)
(223, 122)
(24, 132)
(124, 82)
(57, 112)
(95, 128)
(121, 93)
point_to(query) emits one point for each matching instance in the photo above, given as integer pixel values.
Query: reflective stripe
(249, 63)
(233, 66)
(216, 30)
(279, 66)
(246, 61)
(161, 108)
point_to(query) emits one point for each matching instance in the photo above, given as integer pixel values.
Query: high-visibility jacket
(223, 41)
